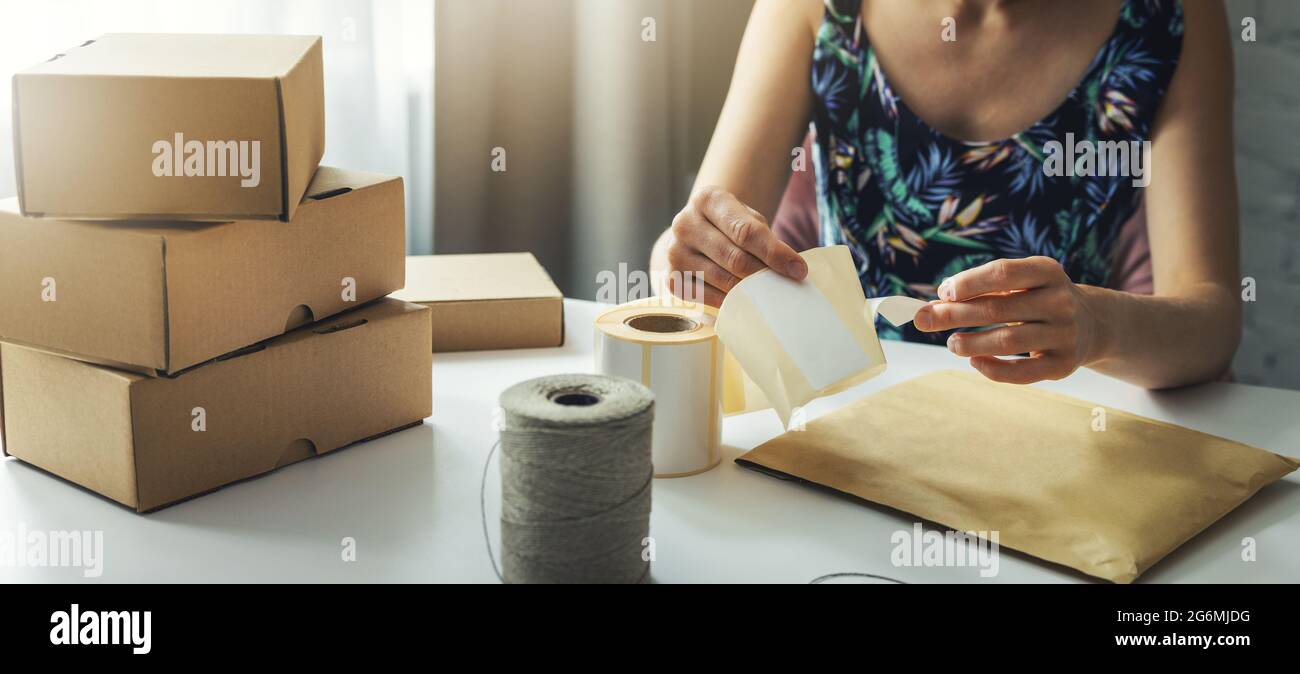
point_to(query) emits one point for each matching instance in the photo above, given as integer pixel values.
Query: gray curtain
(602, 131)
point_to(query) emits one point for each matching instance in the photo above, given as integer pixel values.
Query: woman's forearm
(768, 105)
(1161, 341)
(765, 115)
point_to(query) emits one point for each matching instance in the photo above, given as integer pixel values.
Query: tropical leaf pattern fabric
(916, 206)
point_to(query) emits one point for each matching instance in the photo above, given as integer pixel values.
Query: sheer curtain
(602, 129)
(378, 71)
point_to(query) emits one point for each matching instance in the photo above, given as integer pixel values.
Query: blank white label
(809, 330)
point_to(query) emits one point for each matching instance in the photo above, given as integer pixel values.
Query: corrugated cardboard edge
(299, 137)
(135, 455)
(285, 211)
(563, 328)
(166, 312)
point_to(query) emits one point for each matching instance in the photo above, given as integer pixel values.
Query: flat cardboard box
(481, 302)
(91, 125)
(133, 439)
(160, 297)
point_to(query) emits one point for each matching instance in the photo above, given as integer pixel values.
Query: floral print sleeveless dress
(916, 206)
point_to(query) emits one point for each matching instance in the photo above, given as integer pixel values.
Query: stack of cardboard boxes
(186, 299)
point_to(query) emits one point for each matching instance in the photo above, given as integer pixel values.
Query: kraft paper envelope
(956, 449)
(789, 342)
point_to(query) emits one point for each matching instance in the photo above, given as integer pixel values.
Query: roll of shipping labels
(774, 344)
(673, 350)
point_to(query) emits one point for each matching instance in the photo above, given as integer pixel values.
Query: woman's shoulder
(812, 13)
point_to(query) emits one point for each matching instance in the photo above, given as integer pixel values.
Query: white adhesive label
(808, 329)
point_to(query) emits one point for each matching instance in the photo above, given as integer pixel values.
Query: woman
(902, 95)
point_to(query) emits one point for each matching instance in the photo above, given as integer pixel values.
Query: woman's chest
(989, 77)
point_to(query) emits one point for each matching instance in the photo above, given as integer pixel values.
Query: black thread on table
(853, 574)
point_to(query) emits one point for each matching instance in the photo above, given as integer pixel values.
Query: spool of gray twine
(576, 476)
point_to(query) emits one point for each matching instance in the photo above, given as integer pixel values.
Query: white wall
(1268, 177)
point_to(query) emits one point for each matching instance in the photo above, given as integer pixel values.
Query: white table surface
(411, 500)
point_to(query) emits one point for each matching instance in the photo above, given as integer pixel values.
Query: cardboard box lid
(458, 278)
(84, 148)
(324, 386)
(163, 296)
(182, 55)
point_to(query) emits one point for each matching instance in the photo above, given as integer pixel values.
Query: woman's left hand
(1039, 311)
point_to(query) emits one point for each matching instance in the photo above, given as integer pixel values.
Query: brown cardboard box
(105, 129)
(132, 438)
(165, 296)
(480, 302)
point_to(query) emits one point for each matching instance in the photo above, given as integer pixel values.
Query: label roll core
(674, 351)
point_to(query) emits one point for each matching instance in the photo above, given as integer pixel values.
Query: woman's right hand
(721, 239)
